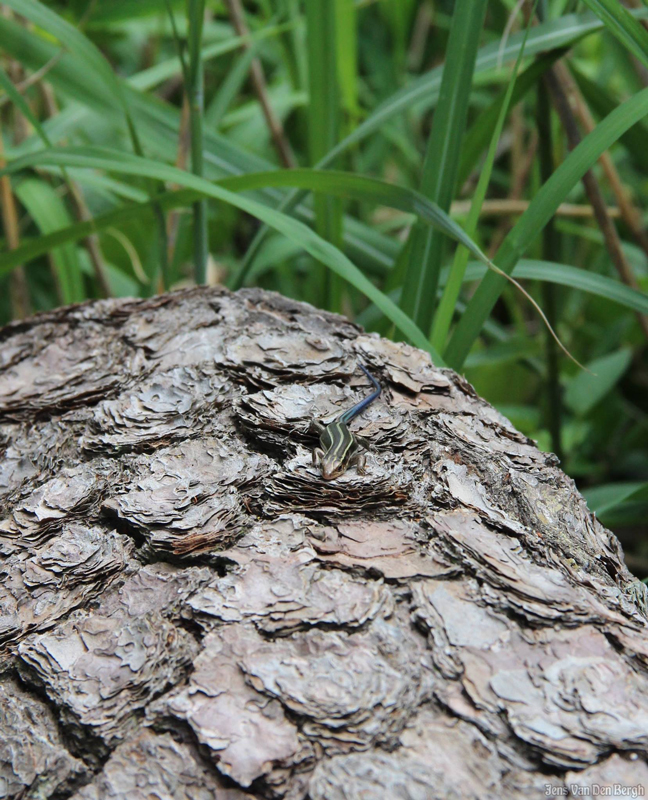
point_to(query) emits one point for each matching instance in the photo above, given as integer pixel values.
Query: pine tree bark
(187, 610)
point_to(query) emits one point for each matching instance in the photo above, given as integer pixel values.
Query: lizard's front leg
(318, 455)
(360, 462)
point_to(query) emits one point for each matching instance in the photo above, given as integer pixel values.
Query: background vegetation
(148, 144)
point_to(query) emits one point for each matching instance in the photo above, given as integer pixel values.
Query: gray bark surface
(187, 610)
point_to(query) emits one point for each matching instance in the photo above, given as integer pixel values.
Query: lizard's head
(332, 467)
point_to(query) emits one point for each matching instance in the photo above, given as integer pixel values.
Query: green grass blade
(611, 496)
(529, 269)
(111, 13)
(442, 158)
(424, 91)
(347, 55)
(573, 278)
(23, 106)
(581, 279)
(49, 213)
(510, 351)
(338, 184)
(585, 389)
(623, 25)
(481, 130)
(359, 187)
(194, 89)
(602, 102)
(229, 88)
(70, 73)
(182, 61)
(353, 187)
(323, 251)
(445, 311)
(540, 210)
(159, 124)
(151, 77)
(83, 49)
(324, 125)
(32, 248)
(93, 70)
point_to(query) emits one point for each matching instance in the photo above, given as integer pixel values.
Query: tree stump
(188, 610)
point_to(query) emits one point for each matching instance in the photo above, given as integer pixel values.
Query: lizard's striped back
(337, 441)
(339, 445)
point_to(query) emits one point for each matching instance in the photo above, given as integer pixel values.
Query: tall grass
(412, 124)
(194, 88)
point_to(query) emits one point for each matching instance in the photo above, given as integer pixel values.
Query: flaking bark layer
(188, 610)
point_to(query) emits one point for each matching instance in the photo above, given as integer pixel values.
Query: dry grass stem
(18, 286)
(513, 207)
(613, 243)
(184, 143)
(629, 212)
(82, 212)
(521, 169)
(281, 143)
(541, 313)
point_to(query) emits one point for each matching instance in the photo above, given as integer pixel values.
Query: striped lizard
(339, 448)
